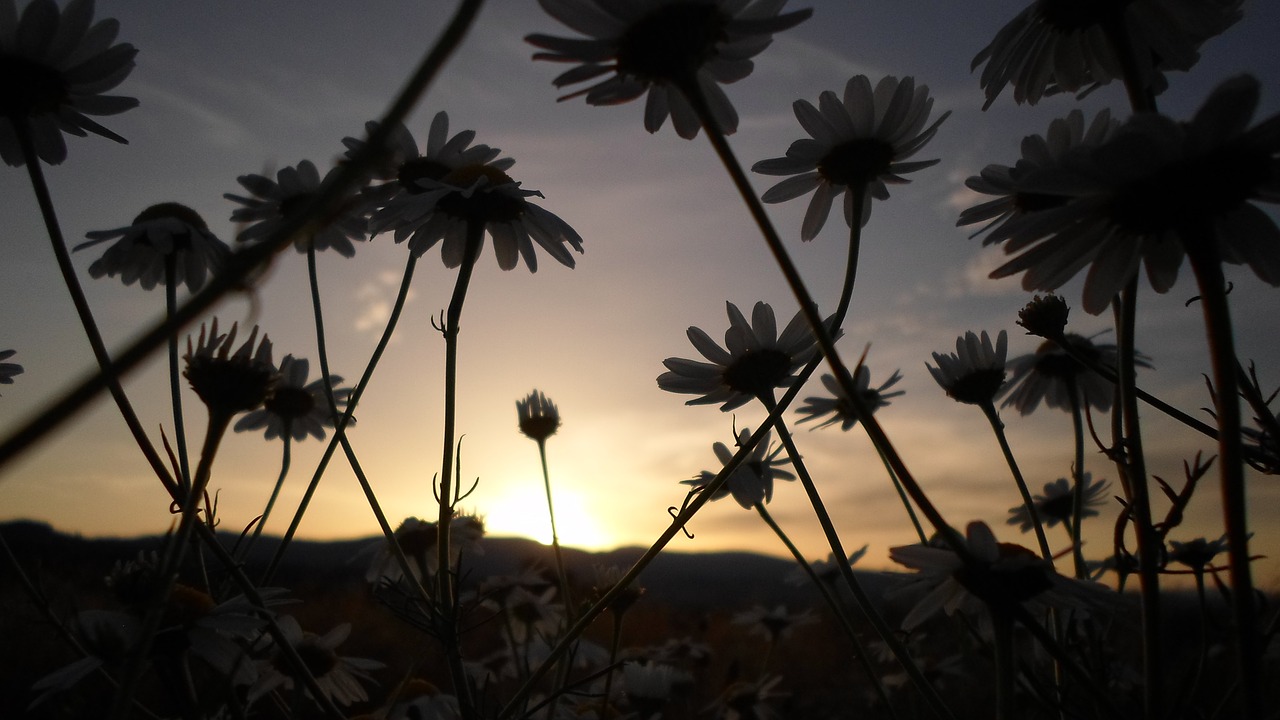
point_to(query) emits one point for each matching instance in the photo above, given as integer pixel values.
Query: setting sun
(524, 513)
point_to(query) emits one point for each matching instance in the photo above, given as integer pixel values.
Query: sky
(239, 87)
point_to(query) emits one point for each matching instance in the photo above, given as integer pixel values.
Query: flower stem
(887, 634)
(997, 426)
(1077, 480)
(833, 603)
(175, 382)
(1217, 319)
(275, 491)
(565, 596)
(339, 431)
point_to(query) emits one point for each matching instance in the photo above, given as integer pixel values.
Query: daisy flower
(754, 361)
(1057, 503)
(538, 417)
(163, 231)
(752, 481)
(1014, 204)
(840, 407)
(1067, 46)
(1007, 575)
(229, 382)
(649, 685)
(663, 48)
(1197, 554)
(272, 202)
(857, 143)
(1153, 187)
(744, 700)
(417, 540)
(8, 371)
(1051, 375)
(975, 373)
(340, 678)
(295, 408)
(56, 65)
(776, 624)
(436, 195)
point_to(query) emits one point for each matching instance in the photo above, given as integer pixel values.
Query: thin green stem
(339, 431)
(322, 348)
(565, 595)
(318, 208)
(869, 609)
(906, 500)
(833, 603)
(1217, 319)
(285, 462)
(175, 376)
(997, 426)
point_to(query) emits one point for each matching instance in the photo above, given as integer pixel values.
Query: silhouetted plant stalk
(175, 376)
(997, 426)
(1077, 479)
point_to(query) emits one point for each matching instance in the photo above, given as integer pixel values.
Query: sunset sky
(239, 87)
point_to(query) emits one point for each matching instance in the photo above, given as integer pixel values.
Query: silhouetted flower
(8, 371)
(776, 624)
(1044, 317)
(1051, 374)
(1067, 45)
(275, 201)
(56, 65)
(1057, 504)
(340, 678)
(437, 195)
(840, 407)
(744, 700)
(1197, 554)
(752, 481)
(663, 47)
(538, 416)
(648, 686)
(975, 373)
(856, 145)
(159, 233)
(754, 362)
(296, 408)
(229, 383)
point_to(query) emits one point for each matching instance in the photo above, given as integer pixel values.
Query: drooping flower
(663, 47)
(8, 371)
(163, 232)
(340, 678)
(55, 66)
(1068, 45)
(227, 382)
(1044, 317)
(752, 481)
(1153, 191)
(295, 408)
(1057, 504)
(272, 202)
(436, 195)
(539, 419)
(1051, 374)
(975, 373)
(856, 144)
(754, 362)
(840, 407)
(1015, 204)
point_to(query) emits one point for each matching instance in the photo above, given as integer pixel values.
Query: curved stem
(322, 347)
(275, 490)
(175, 377)
(887, 634)
(339, 431)
(833, 603)
(1217, 320)
(320, 207)
(989, 409)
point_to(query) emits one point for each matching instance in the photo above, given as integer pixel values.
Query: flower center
(485, 203)
(978, 386)
(758, 372)
(1058, 507)
(856, 162)
(174, 210)
(671, 43)
(1033, 202)
(290, 402)
(29, 88)
(229, 385)
(187, 605)
(420, 169)
(290, 205)
(1069, 16)
(317, 659)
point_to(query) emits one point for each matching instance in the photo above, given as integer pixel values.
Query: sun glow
(524, 513)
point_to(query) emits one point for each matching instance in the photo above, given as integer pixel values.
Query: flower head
(745, 700)
(538, 416)
(663, 48)
(437, 195)
(975, 373)
(776, 624)
(1068, 45)
(417, 540)
(1044, 317)
(1197, 554)
(340, 678)
(1153, 191)
(295, 408)
(754, 362)
(1052, 375)
(1057, 504)
(163, 233)
(857, 144)
(752, 481)
(272, 202)
(840, 407)
(8, 371)
(55, 66)
(228, 382)
(649, 685)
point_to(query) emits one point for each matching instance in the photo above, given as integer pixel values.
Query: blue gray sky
(240, 87)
